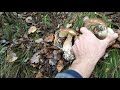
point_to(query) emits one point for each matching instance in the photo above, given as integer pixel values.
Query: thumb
(110, 38)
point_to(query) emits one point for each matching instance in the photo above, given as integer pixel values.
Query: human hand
(88, 49)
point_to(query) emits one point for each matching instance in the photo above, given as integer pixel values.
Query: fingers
(85, 31)
(110, 38)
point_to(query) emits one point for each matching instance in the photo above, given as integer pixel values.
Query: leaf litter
(50, 53)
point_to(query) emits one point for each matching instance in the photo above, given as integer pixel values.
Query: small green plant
(46, 20)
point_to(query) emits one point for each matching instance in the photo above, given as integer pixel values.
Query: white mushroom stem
(67, 46)
(68, 43)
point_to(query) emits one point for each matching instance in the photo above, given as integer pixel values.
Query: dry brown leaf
(57, 54)
(49, 38)
(44, 50)
(49, 55)
(32, 29)
(35, 58)
(60, 65)
(11, 56)
(56, 40)
(116, 45)
(40, 67)
(28, 19)
(39, 75)
(68, 25)
(34, 65)
(39, 40)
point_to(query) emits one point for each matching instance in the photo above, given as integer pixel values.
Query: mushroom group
(97, 26)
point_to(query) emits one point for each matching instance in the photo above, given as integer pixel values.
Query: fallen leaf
(57, 54)
(116, 45)
(60, 65)
(49, 55)
(68, 25)
(25, 35)
(85, 18)
(52, 62)
(40, 67)
(28, 19)
(35, 58)
(49, 38)
(11, 56)
(39, 40)
(44, 50)
(39, 75)
(32, 29)
(34, 65)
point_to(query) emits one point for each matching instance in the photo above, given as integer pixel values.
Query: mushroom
(93, 21)
(65, 31)
(67, 46)
(98, 27)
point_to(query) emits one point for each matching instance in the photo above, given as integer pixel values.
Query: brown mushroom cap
(73, 32)
(94, 21)
(65, 32)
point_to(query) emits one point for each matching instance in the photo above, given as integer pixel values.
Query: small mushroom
(67, 46)
(64, 32)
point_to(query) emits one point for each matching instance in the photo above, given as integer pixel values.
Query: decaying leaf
(32, 29)
(39, 75)
(49, 55)
(57, 54)
(49, 38)
(39, 40)
(68, 25)
(116, 45)
(35, 58)
(11, 56)
(44, 50)
(28, 19)
(60, 65)
(52, 62)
